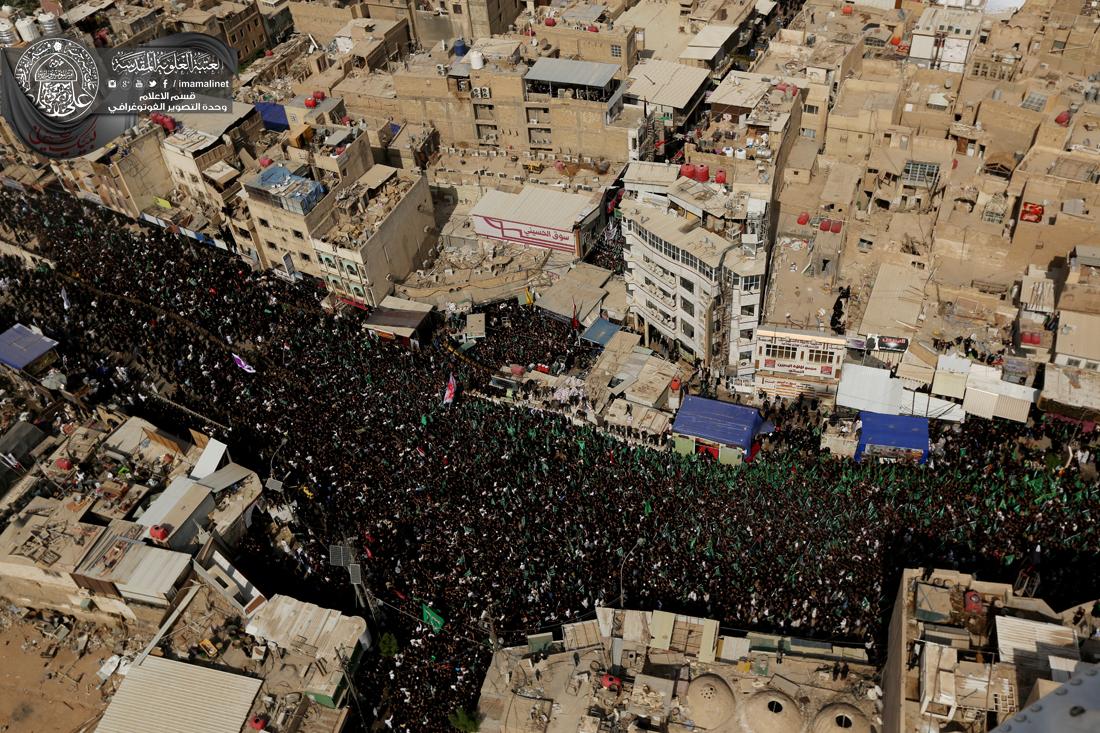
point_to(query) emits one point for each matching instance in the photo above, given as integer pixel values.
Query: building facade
(792, 362)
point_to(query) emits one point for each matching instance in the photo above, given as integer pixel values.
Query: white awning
(209, 460)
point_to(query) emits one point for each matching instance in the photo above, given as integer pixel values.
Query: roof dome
(841, 718)
(772, 712)
(711, 701)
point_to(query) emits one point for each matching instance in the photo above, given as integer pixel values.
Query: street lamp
(271, 463)
(622, 595)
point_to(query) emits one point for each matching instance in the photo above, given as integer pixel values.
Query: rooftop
(708, 247)
(666, 83)
(570, 72)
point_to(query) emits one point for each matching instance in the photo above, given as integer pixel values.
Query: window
(917, 173)
(616, 51)
(1091, 365)
(456, 9)
(866, 245)
(194, 178)
(271, 245)
(808, 132)
(745, 334)
(750, 283)
(811, 109)
(771, 351)
(1073, 362)
(264, 223)
(819, 356)
(305, 257)
(687, 329)
(687, 285)
(687, 306)
(748, 310)
(298, 235)
(1034, 102)
(1058, 46)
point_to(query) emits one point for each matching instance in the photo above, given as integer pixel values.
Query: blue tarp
(273, 115)
(718, 422)
(19, 346)
(600, 332)
(887, 434)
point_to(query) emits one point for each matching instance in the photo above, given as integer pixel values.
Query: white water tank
(51, 26)
(7, 33)
(28, 29)
(476, 59)
(740, 154)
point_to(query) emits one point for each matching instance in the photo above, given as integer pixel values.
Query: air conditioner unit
(463, 85)
(476, 92)
(441, 69)
(485, 92)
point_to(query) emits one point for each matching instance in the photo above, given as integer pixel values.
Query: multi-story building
(791, 362)
(321, 19)
(125, 176)
(239, 25)
(203, 156)
(556, 107)
(695, 273)
(943, 38)
(379, 233)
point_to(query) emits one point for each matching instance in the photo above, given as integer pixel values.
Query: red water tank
(804, 218)
(311, 102)
(972, 602)
(824, 225)
(835, 226)
(156, 117)
(63, 463)
(593, 29)
(846, 10)
(1063, 118)
(269, 53)
(895, 41)
(257, 722)
(550, 22)
(340, 150)
(158, 532)
(702, 173)
(169, 124)
(687, 170)
(720, 177)
(319, 96)
(345, 120)
(265, 162)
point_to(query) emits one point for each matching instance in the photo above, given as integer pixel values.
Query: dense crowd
(496, 515)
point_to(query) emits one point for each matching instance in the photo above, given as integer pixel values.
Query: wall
(323, 21)
(893, 673)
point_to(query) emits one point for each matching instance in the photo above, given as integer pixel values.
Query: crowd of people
(507, 517)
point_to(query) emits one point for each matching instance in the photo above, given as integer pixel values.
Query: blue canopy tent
(893, 436)
(600, 332)
(723, 429)
(273, 116)
(22, 348)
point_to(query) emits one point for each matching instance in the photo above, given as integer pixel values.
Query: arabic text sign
(529, 234)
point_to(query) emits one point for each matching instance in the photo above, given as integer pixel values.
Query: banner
(432, 618)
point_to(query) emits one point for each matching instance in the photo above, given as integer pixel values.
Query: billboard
(562, 240)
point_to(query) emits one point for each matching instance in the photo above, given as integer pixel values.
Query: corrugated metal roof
(568, 71)
(175, 697)
(225, 477)
(1028, 643)
(182, 492)
(306, 628)
(19, 346)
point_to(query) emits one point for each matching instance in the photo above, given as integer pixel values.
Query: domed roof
(841, 718)
(711, 701)
(772, 712)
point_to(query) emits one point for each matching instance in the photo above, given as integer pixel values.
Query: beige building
(125, 176)
(289, 201)
(239, 25)
(322, 19)
(380, 231)
(203, 156)
(863, 108)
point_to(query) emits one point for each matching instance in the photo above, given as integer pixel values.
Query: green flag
(431, 618)
(648, 508)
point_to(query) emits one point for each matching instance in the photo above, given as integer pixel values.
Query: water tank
(804, 218)
(51, 26)
(265, 162)
(319, 96)
(687, 170)
(740, 154)
(477, 59)
(1063, 118)
(835, 226)
(593, 29)
(28, 29)
(159, 532)
(846, 10)
(311, 103)
(720, 177)
(8, 36)
(702, 173)
(460, 48)
(550, 22)
(824, 225)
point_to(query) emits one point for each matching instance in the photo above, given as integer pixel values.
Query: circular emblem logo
(60, 76)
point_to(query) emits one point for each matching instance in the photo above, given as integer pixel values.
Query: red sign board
(1031, 212)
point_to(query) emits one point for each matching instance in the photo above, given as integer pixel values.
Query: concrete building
(238, 24)
(126, 176)
(540, 217)
(695, 272)
(943, 38)
(673, 92)
(635, 665)
(964, 652)
(380, 230)
(791, 362)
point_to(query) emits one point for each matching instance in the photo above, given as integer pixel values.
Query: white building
(943, 38)
(695, 288)
(791, 362)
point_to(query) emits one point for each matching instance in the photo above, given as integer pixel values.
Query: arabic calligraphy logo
(60, 76)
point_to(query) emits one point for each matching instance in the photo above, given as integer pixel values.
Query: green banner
(432, 618)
